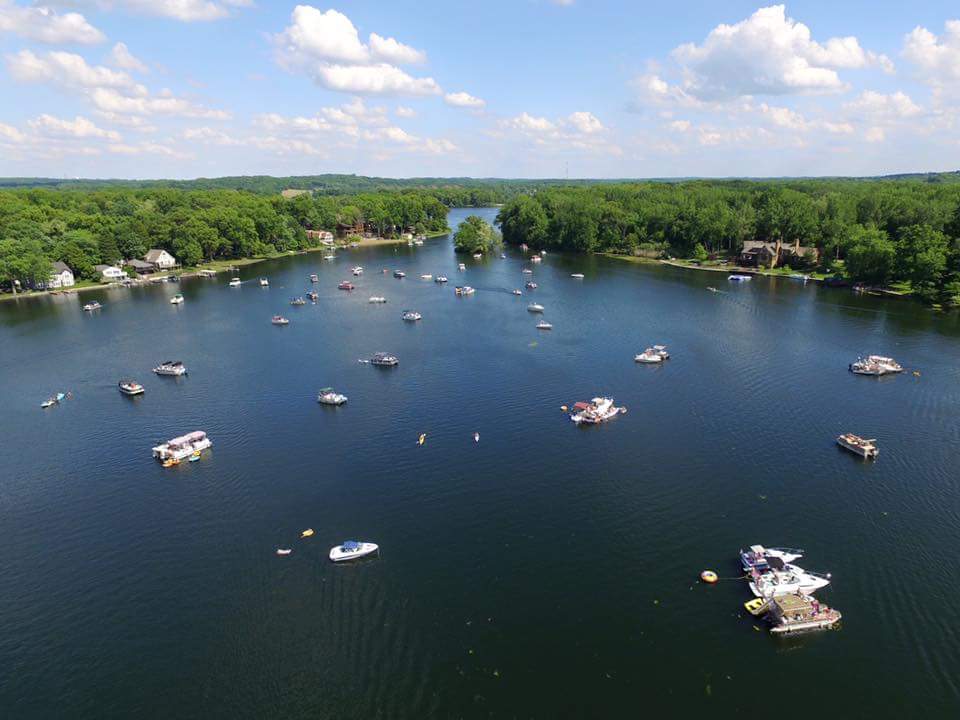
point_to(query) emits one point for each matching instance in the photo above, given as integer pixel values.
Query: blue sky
(518, 88)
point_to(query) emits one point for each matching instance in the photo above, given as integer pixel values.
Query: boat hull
(338, 554)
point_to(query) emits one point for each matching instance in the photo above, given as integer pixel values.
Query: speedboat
(91, 306)
(377, 299)
(352, 550)
(279, 320)
(518, 292)
(384, 359)
(788, 581)
(130, 387)
(461, 266)
(535, 308)
(176, 300)
(329, 257)
(596, 411)
(866, 449)
(739, 278)
(577, 276)
(314, 278)
(535, 259)
(757, 557)
(544, 325)
(426, 276)
(399, 274)
(170, 367)
(358, 270)
(53, 400)
(655, 354)
(411, 315)
(235, 282)
(440, 279)
(465, 290)
(264, 282)
(328, 396)
(182, 447)
(346, 285)
(531, 285)
(418, 241)
(298, 301)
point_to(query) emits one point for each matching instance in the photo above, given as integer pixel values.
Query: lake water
(546, 571)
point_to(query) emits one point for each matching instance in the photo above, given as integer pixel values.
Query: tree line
(84, 228)
(872, 232)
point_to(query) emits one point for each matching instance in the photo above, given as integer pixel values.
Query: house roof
(101, 268)
(140, 265)
(59, 266)
(153, 254)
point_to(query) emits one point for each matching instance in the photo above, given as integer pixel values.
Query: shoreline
(217, 266)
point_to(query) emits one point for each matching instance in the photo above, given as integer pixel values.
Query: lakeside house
(757, 253)
(160, 259)
(324, 236)
(140, 267)
(110, 273)
(61, 277)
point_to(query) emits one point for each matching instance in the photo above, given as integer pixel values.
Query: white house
(110, 273)
(324, 236)
(160, 259)
(61, 277)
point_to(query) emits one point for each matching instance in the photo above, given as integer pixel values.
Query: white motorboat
(329, 257)
(183, 446)
(478, 256)
(264, 282)
(577, 276)
(758, 557)
(875, 365)
(531, 285)
(598, 410)
(399, 274)
(788, 581)
(527, 271)
(418, 241)
(411, 315)
(279, 320)
(235, 282)
(377, 299)
(358, 270)
(652, 355)
(463, 291)
(384, 359)
(543, 253)
(440, 279)
(170, 367)
(426, 276)
(130, 387)
(544, 325)
(866, 449)
(535, 259)
(314, 277)
(517, 291)
(328, 396)
(176, 300)
(461, 266)
(535, 308)
(739, 278)
(91, 306)
(352, 550)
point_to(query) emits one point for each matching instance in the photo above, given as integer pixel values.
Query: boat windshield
(351, 545)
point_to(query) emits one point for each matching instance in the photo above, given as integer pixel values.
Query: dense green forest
(84, 228)
(874, 232)
(476, 235)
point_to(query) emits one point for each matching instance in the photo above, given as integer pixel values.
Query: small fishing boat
(426, 276)
(176, 300)
(297, 301)
(531, 285)
(461, 266)
(653, 355)
(377, 299)
(598, 410)
(517, 291)
(577, 276)
(235, 282)
(91, 306)
(130, 387)
(170, 367)
(384, 359)
(346, 285)
(866, 449)
(535, 308)
(264, 282)
(411, 315)
(182, 447)
(352, 550)
(440, 279)
(329, 396)
(464, 291)
(399, 274)
(544, 325)
(739, 278)
(284, 551)
(314, 278)
(279, 320)
(358, 270)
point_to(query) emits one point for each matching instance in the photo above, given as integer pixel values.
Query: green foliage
(871, 256)
(476, 235)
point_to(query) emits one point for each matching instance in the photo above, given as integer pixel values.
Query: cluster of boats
(783, 592)
(186, 447)
(597, 411)
(875, 365)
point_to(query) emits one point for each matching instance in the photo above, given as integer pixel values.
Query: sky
(502, 88)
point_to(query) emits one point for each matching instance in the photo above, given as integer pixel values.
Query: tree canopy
(476, 235)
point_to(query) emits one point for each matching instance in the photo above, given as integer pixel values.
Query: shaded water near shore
(546, 571)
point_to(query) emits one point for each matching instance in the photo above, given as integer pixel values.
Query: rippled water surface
(546, 571)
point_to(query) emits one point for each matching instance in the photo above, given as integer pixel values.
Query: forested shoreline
(876, 233)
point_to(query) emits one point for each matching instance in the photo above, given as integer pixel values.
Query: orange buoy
(709, 577)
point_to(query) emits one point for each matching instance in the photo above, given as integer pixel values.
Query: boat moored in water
(384, 359)
(544, 325)
(130, 387)
(352, 550)
(377, 299)
(785, 579)
(279, 320)
(297, 301)
(653, 355)
(535, 308)
(598, 410)
(411, 315)
(464, 290)
(358, 270)
(757, 557)
(176, 299)
(399, 274)
(170, 367)
(739, 278)
(518, 291)
(329, 396)
(799, 612)
(577, 276)
(346, 285)
(182, 447)
(531, 285)
(264, 282)
(875, 365)
(866, 449)
(314, 278)
(461, 266)
(440, 279)
(235, 282)
(91, 306)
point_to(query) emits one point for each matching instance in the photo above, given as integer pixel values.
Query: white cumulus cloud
(121, 57)
(79, 127)
(462, 99)
(45, 25)
(937, 59)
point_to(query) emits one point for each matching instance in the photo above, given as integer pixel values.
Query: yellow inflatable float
(709, 577)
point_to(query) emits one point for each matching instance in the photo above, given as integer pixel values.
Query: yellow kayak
(306, 533)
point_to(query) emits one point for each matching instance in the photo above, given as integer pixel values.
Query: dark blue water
(546, 571)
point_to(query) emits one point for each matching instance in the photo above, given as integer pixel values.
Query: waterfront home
(324, 236)
(110, 273)
(756, 253)
(160, 259)
(141, 267)
(61, 277)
